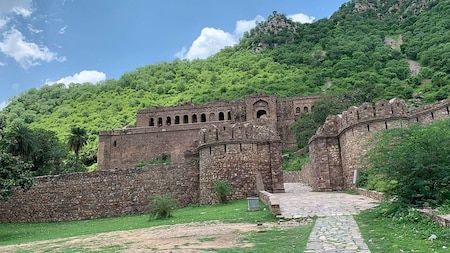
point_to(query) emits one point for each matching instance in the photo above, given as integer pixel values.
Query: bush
(413, 164)
(162, 206)
(222, 189)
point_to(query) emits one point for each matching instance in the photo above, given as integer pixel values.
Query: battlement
(237, 132)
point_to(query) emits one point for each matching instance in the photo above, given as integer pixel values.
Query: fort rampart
(338, 147)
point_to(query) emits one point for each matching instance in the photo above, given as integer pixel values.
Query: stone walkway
(335, 229)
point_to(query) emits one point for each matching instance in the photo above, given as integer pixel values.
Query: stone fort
(239, 141)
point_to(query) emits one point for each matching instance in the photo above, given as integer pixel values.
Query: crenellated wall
(338, 147)
(239, 153)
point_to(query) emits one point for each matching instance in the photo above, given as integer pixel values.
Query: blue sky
(48, 41)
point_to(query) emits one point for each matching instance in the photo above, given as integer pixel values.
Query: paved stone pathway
(335, 229)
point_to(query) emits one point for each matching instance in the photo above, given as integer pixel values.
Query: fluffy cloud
(25, 53)
(243, 26)
(85, 76)
(212, 40)
(302, 18)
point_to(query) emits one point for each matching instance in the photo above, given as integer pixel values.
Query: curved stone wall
(338, 147)
(239, 153)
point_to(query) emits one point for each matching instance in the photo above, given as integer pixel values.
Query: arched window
(229, 116)
(160, 122)
(152, 122)
(212, 117)
(297, 110)
(185, 119)
(260, 113)
(194, 118)
(115, 143)
(203, 117)
(177, 120)
(221, 116)
(305, 109)
(168, 121)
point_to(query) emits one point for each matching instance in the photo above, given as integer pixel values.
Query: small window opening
(194, 118)
(115, 144)
(305, 109)
(229, 116)
(225, 148)
(221, 116)
(152, 122)
(260, 113)
(368, 128)
(185, 119)
(168, 121)
(432, 115)
(177, 120)
(385, 125)
(160, 122)
(203, 117)
(297, 110)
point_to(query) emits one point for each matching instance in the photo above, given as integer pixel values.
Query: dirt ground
(191, 237)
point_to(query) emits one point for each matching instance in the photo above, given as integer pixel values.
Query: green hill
(383, 49)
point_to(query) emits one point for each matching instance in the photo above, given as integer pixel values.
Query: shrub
(162, 206)
(222, 188)
(413, 164)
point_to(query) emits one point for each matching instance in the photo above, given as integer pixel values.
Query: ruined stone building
(236, 141)
(239, 141)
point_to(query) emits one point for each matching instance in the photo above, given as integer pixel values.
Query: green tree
(77, 140)
(19, 140)
(13, 173)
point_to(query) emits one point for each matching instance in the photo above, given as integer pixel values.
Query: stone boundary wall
(442, 220)
(100, 194)
(338, 146)
(371, 194)
(271, 201)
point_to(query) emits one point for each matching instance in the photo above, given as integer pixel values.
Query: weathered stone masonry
(340, 144)
(236, 141)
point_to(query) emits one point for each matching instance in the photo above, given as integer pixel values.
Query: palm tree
(20, 141)
(77, 140)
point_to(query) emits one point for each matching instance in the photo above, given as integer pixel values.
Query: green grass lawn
(408, 232)
(277, 239)
(236, 211)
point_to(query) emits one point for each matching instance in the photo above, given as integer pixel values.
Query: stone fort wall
(239, 153)
(338, 147)
(101, 193)
(173, 130)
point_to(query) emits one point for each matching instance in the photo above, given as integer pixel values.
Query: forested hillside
(380, 49)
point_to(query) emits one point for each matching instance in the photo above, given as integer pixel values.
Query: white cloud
(302, 18)
(62, 30)
(3, 22)
(26, 53)
(34, 30)
(85, 76)
(2, 64)
(243, 26)
(19, 7)
(3, 104)
(212, 40)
